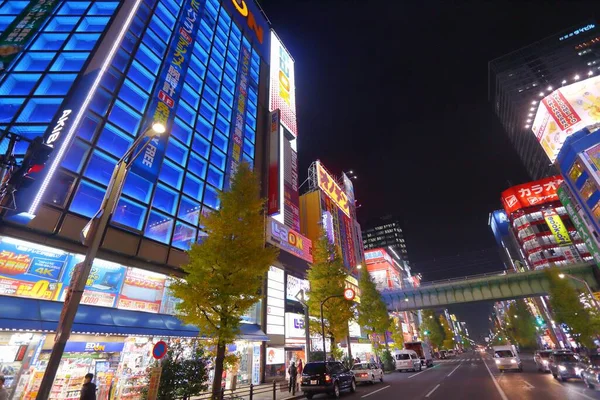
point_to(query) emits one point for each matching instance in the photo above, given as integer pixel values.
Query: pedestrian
(300, 369)
(88, 390)
(372, 360)
(3, 391)
(357, 361)
(293, 371)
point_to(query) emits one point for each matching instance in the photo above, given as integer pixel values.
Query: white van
(407, 360)
(507, 358)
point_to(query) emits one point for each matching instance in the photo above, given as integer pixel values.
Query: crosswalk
(458, 360)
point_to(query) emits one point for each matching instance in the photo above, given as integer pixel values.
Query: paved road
(473, 376)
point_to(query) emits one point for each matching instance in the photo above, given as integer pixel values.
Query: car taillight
(327, 378)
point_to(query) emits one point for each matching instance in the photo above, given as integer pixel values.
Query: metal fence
(251, 392)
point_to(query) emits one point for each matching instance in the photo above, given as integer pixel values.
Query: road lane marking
(500, 391)
(458, 366)
(419, 373)
(432, 390)
(375, 391)
(529, 385)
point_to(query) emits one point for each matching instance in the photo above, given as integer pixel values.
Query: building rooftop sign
(576, 32)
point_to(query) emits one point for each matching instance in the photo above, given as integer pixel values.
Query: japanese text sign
(328, 185)
(557, 227)
(289, 240)
(531, 194)
(283, 90)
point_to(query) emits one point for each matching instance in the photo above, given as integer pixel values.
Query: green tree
(225, 271)
(327, 277)
(568, 309)
(397, 334)
(372, 311)
(521, 325)
(431, 328)
(448, 341)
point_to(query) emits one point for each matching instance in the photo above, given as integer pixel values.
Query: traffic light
(34, 160)
(539, 320)
(426, 333)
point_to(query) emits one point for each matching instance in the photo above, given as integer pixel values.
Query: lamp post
(301, 297)
(91, 235)
(562, 276)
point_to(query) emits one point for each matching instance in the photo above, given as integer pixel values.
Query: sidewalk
(260, 392)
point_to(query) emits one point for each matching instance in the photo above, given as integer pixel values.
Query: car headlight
(562, 368)
(513, 361)
(545, 362)
(578, 371)
(497, 361)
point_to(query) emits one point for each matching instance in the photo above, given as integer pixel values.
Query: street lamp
(91, 236)
(562, 276)
(301, 297)
(348, 295)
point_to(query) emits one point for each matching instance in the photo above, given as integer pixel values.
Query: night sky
(397, 91)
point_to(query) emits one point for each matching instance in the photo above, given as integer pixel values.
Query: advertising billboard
(142, 291)
(273, 200)
(283, 89)
(376, 256)
(557, 227)
(253, 22)
(294, 326)
(289, 240)
(531, 194)
(564, 112)
(332, 190)
(294, 286)
(290, 184)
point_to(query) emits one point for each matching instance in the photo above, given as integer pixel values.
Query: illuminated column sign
(274, 204)
(168, 90)
(275, 301)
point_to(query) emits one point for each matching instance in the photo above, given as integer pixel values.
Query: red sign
(531, 194)
(560, 109)
(159, 350)
(274, 202)
(349, 294)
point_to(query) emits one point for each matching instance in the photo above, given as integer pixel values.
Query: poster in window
(142, 291)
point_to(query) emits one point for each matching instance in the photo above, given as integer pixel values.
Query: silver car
(591, 375)
(367, 372)
(542, 360)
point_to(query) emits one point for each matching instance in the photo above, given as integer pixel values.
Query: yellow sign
(557, 227)
(328, 185)
(352, 283)
(597, 295)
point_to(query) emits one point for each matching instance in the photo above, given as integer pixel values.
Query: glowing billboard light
(330, 187)
(282, 94)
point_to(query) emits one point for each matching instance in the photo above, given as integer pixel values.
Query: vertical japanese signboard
(273, 202)
(23, 28)
(168, 90)
(330, 187)
(290, 185)
(283, 90)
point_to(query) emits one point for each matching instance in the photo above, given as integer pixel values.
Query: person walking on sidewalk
(293, 371)
(299, 374)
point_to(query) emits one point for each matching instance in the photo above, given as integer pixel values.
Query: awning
(41, 315)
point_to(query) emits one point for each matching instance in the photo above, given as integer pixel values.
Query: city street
(469, 376)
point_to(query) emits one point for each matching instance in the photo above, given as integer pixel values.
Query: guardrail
(266, 391)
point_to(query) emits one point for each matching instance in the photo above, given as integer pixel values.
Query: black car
(329, 377)
(564, 365)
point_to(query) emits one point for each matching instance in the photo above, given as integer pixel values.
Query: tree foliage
(448, 341)
(521, 325)
(226, 270)
(397, 334)
(432, 326)
(372, 310)
(327, 277)
(568, 309)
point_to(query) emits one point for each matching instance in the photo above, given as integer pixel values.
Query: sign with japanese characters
(283, 90)
(252, 21)
(274, 201)
(142, 291)
(23, 28)
(330, 187)
(289, 240)
(531, 194)
(168, 90)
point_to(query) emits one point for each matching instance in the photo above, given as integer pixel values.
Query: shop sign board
(142, 291)
(275, 355)
(255, 365)
(294, 286)
(153, 383)
(275, 301)
(557, 227)
(94, 347)
(294, 326)
(531, 194)
(289, 240)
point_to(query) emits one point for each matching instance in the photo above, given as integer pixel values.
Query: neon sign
(578, 31)
(328, 185)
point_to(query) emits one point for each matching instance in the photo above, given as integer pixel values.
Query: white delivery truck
(423, 350)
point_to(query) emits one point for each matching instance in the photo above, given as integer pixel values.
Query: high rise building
(81, 80)
(387, 232)
(519, 80)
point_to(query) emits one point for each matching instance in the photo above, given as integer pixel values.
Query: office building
(387, 232)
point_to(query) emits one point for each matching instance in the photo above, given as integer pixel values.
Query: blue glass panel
(201, 146)
(182, 131)
(229, 84)
(204, 127)
(203, 41)
(186, 113)
(197, 66)
(87, 199)
(74, 8)
(103, 8)
(251, 109)
(199, 58)
(111, 79)
(212, 9)
(215, 177)
(248, 147)
(220, 141)
(145, 9)
(172, 6)
(137, 187)
(165, 15)
(207, 111)
(121, 60)
(82, 41)
(235, 33)
(137, 27)
(211, 197)
(125, 117)
(87, 127)
(219, 46)
(55, 84)
(114, 141)
(189, 210)
(211, 23)
(253, 75)
(141, 76)
(154, 42)
(39, 110)
(230, 71)
(29, 131)
(101, 101)
(250, 120)
(129, 42)
(246, 44)
(75, 156)
(252, 96)
(227, 97)
(217, 158)
(160, 28)
(9, 107)
(210, 97)
(190, 96)
(193, 80)
(184, 236)
(255, 58)
(222, 124)
(62, 24)
(221, 32)
(19, 84)
(197, 165)
(224, 110)
(49, 41)
(249, 160)
(193, 186)
(249, 134)
(32, 62)
(212, 82)
(93, 24)
(5, 21)
(171, 174)
(206, 30)
(159, 227)
(232, 57)
(68, 62)
(148, 58)
(177, 152)
(165, 199)
(129, 213)
(133, 95)
(100, 167)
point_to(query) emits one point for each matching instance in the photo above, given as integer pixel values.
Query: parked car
(591, 375)
(423, 350)
(451, 353)
(565, 365)
(329, 377)
(443, 354)
(507, 358)
(407, 360)
(542, 360)
(367, 372)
